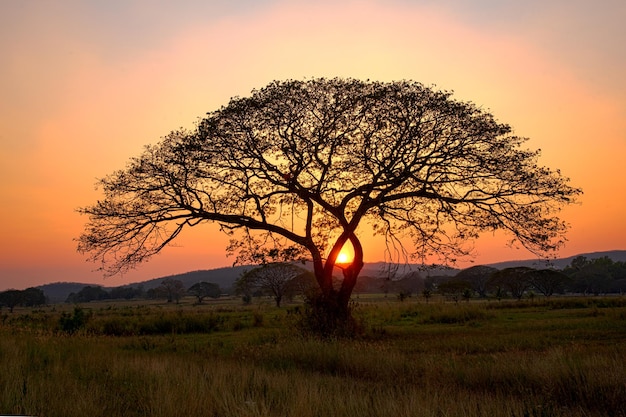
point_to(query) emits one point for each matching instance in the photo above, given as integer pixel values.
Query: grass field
(560, 357)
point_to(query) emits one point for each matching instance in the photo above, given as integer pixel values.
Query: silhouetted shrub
(71, 323)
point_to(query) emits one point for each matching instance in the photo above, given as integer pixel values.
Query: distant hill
(57, 292)
(395, 271)
(225, 277)
(560, 263)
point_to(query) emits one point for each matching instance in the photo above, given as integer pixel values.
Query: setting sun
(343, 258)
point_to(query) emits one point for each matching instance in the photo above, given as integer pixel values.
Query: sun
(343, 258)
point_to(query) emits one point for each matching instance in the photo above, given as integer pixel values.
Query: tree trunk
(330, 313)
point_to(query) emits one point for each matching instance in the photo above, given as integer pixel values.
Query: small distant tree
(514, 280)
(11, 299)
(32, 297)
(270, 278)
(172, 289)
(547, 281)
(478, 276)
(202, 290)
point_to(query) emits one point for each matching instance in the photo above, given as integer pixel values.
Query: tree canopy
(303, 167)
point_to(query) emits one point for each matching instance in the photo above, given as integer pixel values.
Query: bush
(71, 323)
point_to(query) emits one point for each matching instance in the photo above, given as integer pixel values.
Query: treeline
(582, 276)
(30, 297)
(170, 289)
(97, 293)
(596, 276)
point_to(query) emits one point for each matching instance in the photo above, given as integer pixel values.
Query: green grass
(561, 357)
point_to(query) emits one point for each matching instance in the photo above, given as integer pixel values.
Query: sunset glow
(344, 258)
(87, 84)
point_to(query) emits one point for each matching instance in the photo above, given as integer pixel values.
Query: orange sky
(85, 85)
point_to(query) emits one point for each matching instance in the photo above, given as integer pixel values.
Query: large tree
(308, 166)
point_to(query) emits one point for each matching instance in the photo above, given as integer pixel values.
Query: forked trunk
(330, 313)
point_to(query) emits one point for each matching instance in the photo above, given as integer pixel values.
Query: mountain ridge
(225, 276)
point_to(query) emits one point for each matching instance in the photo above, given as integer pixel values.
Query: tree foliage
(303, 167)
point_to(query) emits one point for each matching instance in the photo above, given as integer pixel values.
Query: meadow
(533, 358)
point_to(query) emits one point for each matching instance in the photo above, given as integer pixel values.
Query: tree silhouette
(548, 281)
(478, 276)
(515, 280)
(202, 290)
(271, 278)
(11, 298)
(172, 289)
(305, 167)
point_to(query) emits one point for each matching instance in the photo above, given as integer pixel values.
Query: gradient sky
(84, 85)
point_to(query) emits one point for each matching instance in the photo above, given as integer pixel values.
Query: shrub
(71, 323)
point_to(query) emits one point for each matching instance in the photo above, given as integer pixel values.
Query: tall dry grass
(417, 360)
